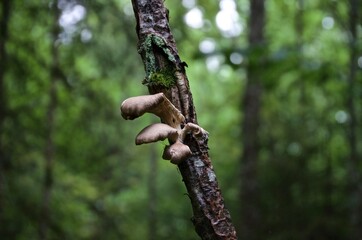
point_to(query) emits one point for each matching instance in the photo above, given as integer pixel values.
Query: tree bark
(211, 219)
(249, 193)
(49, 151)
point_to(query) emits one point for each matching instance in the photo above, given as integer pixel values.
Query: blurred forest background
(69, 167)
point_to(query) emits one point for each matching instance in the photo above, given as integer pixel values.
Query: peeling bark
(211, 219)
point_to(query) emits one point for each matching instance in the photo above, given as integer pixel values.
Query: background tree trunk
(5, 14)
(353, 164)
(49, 151)
(249, 196)
(152, 196)
(211, 219)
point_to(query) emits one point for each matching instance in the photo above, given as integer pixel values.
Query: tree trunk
(5, 14)
(249, 194)
(49, 150)
(159, 54)
(152, 196)
(299, 26)
(353, 164)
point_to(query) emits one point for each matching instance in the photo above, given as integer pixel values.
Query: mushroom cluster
(170, 128)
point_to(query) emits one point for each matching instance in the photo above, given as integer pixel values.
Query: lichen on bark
(157, 75)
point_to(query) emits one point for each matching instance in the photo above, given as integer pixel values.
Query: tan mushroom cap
(177, 152)
(157, 104)
(156, 132)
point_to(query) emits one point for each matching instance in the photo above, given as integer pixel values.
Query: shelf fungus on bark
(156, 132)
(157, 104)
(170, 128)
(176, 152)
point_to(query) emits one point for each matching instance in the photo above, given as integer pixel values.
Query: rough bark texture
(250, 216)
(159, 53)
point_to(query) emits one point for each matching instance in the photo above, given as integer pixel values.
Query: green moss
(163, 78)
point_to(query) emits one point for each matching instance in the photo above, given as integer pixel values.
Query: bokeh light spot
(341, 116)
(207, 46)
(194, 18)
(236, 58)
(327, 23)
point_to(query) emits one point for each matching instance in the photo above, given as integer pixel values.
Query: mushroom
(157, 104)
(176, 152)
(156, 132)
(170, 128)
